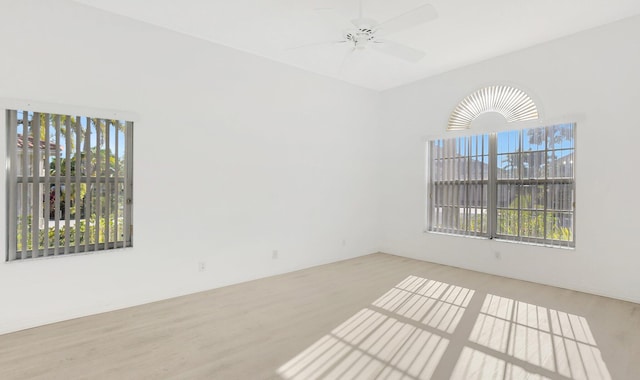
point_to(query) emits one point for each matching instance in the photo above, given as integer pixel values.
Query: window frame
(15, 182)
(492, 182)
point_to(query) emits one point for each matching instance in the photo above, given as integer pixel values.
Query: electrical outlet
(344, 242)
(498, 255)
(274, 254)
(202, 266)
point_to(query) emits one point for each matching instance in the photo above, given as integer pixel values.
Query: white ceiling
(466, 31)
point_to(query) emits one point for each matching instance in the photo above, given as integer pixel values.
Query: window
(69, 184)
(512, 103)
(515, 185)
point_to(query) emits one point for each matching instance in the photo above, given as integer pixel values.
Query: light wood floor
(378, 316)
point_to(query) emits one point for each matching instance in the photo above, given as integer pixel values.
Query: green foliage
(531, 222)
(478, 223)
(60, 240)
(98, 164)
(76, 126)
(70, 200)
(549, 135)
(85, 154)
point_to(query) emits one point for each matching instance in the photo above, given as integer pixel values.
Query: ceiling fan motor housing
(361, 37)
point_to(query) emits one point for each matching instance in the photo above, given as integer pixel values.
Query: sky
(509, 142)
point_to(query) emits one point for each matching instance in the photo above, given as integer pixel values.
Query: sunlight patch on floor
(390, 340)
(551, 340)
(410, 330)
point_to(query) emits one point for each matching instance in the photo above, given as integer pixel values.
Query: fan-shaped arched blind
(512, 103)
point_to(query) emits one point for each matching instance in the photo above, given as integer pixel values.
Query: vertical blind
(458, 188)
(515, 185)
(69, 184)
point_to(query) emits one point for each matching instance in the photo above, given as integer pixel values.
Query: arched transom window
(512, 103)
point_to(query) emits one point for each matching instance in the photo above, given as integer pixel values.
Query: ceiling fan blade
(315, 44)
(400, 51)
(311, 5)
(408, 20)
(363, 22)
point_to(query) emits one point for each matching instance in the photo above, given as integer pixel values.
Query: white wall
(592, 78)
(235, 156)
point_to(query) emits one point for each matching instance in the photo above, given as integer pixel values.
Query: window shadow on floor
(424, 329)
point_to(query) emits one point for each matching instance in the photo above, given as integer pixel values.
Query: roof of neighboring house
(43, 144)
(462, 167)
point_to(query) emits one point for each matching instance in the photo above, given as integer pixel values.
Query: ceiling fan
(367, 33)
